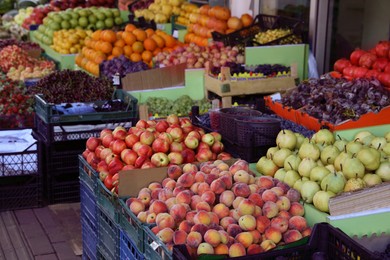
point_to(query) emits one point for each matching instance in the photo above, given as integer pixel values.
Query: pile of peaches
(221, 209)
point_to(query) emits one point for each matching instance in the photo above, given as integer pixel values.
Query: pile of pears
(325, 165)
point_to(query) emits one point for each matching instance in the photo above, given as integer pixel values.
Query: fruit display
(121, 66)
(336, 99)
(271, 35)
(19, 65)
(367, 64)
(22, 14)
(15, 104)
(26, 46)
(219, 209)
(162, 107)
(63, 4)
(151, 144)
(259, 71)
(215, 54)
(134, 43)
(186, 9)
(37, 15)
(140, 5)
(160, 11)
(67, 86)
(69, 41)
(78, 18)
(324, 166)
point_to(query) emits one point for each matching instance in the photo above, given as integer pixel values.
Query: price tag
(154, 245)
(160, 26)
(175, 34)
(276, 96)
(116, 81)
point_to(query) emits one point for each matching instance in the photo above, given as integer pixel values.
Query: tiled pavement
(52, 232)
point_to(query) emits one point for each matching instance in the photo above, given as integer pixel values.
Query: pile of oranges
(134, 43)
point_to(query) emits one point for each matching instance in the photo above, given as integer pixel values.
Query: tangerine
(135, 57)
(130, 27)
(147, 56)
(169, 41)
(127, 50)
(156, 51)
(140, 34)
(105, 47)
(159, 40)
(149, 32)
(120, 43)
(108, 36)
(96, 35)
(137, 47)
(150, 44)
(129, 38)
(117, 51)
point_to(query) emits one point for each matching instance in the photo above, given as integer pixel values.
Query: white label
(116, 80)
(175, 34)
(154, 245)
(160, 26)
(276, 96)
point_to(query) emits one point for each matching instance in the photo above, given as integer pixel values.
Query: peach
(190, 167)
(165, 194)
(237, 202)
(241, 189)
(224, 236)
(215, 171)
(207, 167)
(186, 180)
(278, 190)
(254, 249)
(246, 207)
(227, 197)
(194, 201)
(262, 223)
(184, 197)
(269, 195)
(179, 237)
(227, 179)
(203, 205)
(247, 222)
(201, 228)
(170, 202)
(209, 178)
(194, 187)
(273, 234)
(154, 185)
(190, 216)
(164, 220)
(165, 235)
(226, 221)
(221, 249)
(241, 176)
(158, 207)
(306, 232)
(174, 171)
(283, 203)
(178, 189)
(137, 206)
(258, 212)
(202, 217)
(186, 226)
(237, 249)
(296, 209)
(194, 239)
(245, 238)
(266, 182)
(223, 166)
(239, 165)
(154, 193)
(254, 188)
(280, 223)
(256, 236)
(145, 198)
(144, 190)
(267, 244)
(178, 211)
(284, 186)
(270, 209)
(214, 218)
(213, 237)
(234, 214)
(218, 186)
(291, 235)
(200, 176)
(252, 180)
(233, 230)
(205, 248)
(293, 195)
(165, 181)
(221, 210)
(284, 214)
(297, 222)
(256, 198)
(203, 187)
(171, 185)
(155, 230)
(151, 218)
(209, 197)
(142, 216)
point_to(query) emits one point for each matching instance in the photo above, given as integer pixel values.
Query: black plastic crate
(256, 131)
(326, 241)
(20, 180)
(250, 154)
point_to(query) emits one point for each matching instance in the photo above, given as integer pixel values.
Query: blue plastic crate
(90, 237)
(108, 234)
(128, 249)
(88, 202)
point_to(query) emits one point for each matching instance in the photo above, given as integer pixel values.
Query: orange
(117, 51)
(110, 57)
(120, 43)
(169, 41)
(147, 56)
(96, 35)
(78, 58)
(130, 27)
(156, 51)
(149, 32)
(129, 38)
(150, 44)
(105, 47)
(94, 69)
(99, 57)
(127, 50)
(140, 34)
(135, 57)
(137, 47)
(119, 34)
(159, 40)
(108, 36)
(87, 42)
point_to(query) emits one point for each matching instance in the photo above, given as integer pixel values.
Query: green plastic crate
(154, 247)
(107, 202)
(46, 112)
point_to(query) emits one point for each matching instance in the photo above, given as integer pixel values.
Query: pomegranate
(372, 74)
(341, 64)
(359, 72)
(384, 78)
(382, 49)
(355, 56)
(349, 71)
(367, 60)
(380, 64)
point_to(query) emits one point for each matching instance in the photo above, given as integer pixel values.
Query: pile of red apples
(151, 144)
(219, 209)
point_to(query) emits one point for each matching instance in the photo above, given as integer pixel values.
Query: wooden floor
(52, 232)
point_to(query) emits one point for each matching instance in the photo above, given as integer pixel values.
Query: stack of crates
(62, 138)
